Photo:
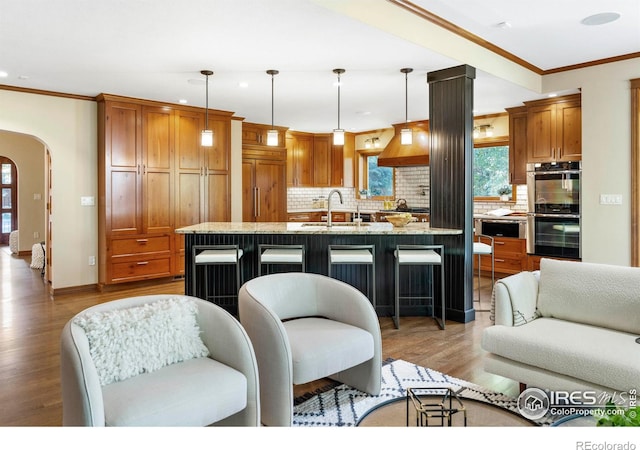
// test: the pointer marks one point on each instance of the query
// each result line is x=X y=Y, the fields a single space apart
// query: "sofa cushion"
x=129 y=341
x=343 y=346
x=596 y=294
x=597 y=355
x=209 y=391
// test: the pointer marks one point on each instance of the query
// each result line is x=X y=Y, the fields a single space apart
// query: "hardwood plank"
x=31 y=322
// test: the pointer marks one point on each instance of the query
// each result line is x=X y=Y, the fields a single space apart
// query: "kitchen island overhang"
x=316 y=237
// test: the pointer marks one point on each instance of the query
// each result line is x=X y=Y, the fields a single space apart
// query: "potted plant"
x=504 y=192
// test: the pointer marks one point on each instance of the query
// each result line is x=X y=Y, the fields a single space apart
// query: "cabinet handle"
x=258 y=200
x=144 y=169
x=138 y=169
x=142 y=241
x=498 y=243
x=499 y=260
x=142 y=263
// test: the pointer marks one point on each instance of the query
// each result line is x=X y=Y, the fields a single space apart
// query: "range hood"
x=417 y=154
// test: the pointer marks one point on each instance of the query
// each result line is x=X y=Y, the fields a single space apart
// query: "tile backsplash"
x=411 y=184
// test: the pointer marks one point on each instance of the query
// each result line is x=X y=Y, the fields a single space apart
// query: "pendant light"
x=338 y=133
x=406 y=134
x=206 y=137
x=272 y=134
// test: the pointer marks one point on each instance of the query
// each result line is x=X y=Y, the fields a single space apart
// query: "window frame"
x=362 y=175
x=497 y=141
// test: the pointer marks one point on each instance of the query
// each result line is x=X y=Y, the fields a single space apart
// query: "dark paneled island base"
x=316 y=239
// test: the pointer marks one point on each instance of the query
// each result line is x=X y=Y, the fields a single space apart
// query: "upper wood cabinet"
x=554 y=129
x=299 y=159
x=313 y=160
x=322 y=160
x=256 y=134
x=517 y=145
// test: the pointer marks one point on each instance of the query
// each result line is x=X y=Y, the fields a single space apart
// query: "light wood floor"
x=31 y=322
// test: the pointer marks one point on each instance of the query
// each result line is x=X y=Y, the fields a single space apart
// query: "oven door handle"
x=559 y=216
x=500 y=221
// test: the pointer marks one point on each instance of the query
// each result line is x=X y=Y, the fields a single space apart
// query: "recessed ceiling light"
x=183 y=101
x=600 y=18
x=3 y=74
x=243 y=84
x=553 y=94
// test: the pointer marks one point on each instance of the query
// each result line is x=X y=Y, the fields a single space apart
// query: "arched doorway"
x=9 y=204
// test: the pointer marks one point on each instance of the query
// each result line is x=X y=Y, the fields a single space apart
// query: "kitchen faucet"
x=333 y=191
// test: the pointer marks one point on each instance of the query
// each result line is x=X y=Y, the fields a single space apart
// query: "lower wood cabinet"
x=510 y=256
x=140 y=258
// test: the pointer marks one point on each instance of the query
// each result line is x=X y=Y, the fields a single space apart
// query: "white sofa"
x=570 y=326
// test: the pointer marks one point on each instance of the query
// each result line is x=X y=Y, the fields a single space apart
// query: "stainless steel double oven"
x=554 y=217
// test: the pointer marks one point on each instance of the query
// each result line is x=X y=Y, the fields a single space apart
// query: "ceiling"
x=155 y=49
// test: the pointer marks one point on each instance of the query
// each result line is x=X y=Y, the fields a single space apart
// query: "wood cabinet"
x=150 y=181
x=255 y=134
x=518 y=145
x=533 y=261
x=313 y=160
x=312 y=216
x=322 y=160
x=299 y=159
x=509 y=253
x=264 y=190
x=554 y=129
x=202 y=175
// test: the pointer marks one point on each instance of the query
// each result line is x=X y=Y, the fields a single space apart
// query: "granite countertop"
x=312 y=228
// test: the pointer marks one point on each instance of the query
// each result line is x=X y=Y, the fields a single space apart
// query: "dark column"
x=451 y=165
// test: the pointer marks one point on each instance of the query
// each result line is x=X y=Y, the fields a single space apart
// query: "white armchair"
x=220 y=389
x=305 y=327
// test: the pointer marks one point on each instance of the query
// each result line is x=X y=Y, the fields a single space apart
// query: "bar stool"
x=280 y=254
x=213 y=255
x=356 y=254
x=423 y=255
x=484 y=246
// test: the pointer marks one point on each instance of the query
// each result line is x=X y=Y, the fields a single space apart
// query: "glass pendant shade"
x=272 y=134
x=338 y=136
x=206 y=138
x=406 y=136
x=272 y=138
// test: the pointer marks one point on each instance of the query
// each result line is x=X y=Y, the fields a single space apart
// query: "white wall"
x=68 y=127
x=606 y=156
x=27 y=153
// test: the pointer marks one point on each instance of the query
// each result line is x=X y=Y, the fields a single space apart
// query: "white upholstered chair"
x=220 y=389
x=306 y=327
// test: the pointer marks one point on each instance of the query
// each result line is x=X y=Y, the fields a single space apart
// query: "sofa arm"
x=515 y=292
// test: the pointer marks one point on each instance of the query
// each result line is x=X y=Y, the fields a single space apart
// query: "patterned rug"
x=343 y=406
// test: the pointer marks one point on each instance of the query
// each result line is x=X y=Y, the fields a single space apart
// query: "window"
x=491 y=170
x=374 y=182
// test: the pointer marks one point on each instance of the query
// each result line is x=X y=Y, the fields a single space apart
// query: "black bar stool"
x=280 y=254
x=212 y=255
x=356 y=254
x=423 y=255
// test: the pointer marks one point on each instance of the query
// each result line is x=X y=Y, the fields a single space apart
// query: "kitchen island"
x=316 y=237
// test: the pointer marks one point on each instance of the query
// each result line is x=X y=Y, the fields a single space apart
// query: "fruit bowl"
x=399 y=220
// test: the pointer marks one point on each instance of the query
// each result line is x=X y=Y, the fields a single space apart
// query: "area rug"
x=343 y=406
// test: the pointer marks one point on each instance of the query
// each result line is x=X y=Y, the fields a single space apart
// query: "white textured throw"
x=127 y=342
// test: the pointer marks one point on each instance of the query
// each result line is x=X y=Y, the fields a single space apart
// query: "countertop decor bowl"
x=399 y=220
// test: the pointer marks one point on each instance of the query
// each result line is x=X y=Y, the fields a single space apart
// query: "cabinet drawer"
x=502 y=265
x=122 y=247
x=138 y=270
x=300 y=217
x=503 y=246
